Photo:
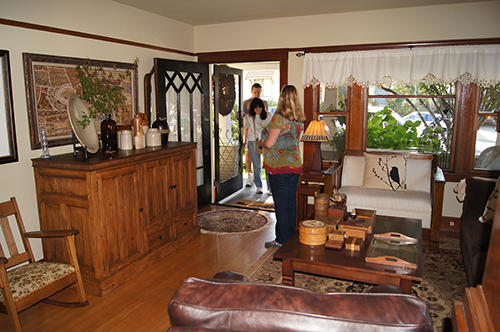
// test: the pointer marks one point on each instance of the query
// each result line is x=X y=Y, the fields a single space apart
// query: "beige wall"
x=97 y=17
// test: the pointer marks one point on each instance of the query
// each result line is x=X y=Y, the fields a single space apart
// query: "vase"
x=109 y=135
x=162 y=125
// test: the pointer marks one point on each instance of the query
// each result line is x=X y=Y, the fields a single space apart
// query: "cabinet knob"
x=173 y=187
x=185 y=224
x=161 y=237
x=141 y=209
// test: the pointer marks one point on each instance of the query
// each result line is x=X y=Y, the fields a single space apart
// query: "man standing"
x=256 y=91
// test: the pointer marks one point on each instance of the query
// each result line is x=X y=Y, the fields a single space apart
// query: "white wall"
x=92 y=16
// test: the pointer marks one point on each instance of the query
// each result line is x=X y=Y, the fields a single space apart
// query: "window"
x=487 y=144
x=447 y=101
x=412 y=117
x=333 y=103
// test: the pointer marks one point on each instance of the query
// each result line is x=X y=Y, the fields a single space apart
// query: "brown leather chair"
x=219 y=305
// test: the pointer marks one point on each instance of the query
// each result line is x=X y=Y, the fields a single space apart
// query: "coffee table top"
x=345 y=259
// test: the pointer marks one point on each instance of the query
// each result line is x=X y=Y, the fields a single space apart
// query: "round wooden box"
x=312 y=232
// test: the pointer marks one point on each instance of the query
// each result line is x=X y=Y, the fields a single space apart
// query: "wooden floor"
x=141 y=304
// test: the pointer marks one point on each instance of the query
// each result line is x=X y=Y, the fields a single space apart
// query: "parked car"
x=427 y=118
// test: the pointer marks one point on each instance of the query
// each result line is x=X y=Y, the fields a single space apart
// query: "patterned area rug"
x=232 y=222
x=443 y=273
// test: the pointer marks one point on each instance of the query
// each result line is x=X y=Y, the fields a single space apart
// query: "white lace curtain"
x=478 y=64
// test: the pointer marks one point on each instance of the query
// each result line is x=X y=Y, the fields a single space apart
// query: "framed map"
x=50 y=80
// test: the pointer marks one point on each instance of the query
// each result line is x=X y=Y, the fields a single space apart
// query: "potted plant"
x=103 y=93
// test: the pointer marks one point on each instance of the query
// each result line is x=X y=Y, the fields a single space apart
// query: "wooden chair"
x=26 y=284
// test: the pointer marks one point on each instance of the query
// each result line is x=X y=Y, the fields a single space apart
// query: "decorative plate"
x=88 y=137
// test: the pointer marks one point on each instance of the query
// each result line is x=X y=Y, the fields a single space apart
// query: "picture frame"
x=8 y=141
x=50 y=80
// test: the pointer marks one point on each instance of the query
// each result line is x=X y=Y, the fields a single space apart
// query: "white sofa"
x=423 y=198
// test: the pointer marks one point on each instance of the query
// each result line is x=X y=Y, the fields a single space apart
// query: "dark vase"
x=162 y=125
x=109 y=135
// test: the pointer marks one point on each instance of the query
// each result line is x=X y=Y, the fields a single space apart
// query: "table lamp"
x=317 y=132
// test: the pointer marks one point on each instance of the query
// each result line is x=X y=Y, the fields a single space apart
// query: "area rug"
x=232 y=222
x=443 y=275
x=268 y=206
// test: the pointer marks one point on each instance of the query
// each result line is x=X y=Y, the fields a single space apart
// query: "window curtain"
x=478 y=64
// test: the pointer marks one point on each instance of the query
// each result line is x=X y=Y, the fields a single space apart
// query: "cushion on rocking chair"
x=27 y=279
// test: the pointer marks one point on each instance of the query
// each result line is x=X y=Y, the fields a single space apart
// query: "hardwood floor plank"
x=141 y=304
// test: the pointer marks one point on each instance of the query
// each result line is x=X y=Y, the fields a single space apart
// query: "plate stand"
x=78 y=148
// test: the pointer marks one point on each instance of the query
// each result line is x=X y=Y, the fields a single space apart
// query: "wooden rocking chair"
x=26 y=284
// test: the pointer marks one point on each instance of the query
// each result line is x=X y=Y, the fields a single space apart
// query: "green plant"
x=103 y=91
x=384 y=132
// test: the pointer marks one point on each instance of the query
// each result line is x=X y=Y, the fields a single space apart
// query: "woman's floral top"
x=284 y=156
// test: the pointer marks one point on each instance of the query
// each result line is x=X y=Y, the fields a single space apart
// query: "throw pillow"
x=489 y=210
x=385 y=171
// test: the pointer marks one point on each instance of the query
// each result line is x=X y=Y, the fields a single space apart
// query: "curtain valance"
x=478 y=64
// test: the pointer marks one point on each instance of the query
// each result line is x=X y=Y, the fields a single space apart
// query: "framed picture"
x=50 y=80
x=8 y=142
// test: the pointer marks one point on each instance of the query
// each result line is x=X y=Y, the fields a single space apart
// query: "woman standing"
x=282 y=161
x=256 y=120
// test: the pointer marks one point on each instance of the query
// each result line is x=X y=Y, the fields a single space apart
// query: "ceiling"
x=203 y=12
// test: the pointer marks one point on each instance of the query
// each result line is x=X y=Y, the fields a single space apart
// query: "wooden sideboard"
x=132 y=209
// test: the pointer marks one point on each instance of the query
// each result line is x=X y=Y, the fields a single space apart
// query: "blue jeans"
x=257 y=166
x=284 y=187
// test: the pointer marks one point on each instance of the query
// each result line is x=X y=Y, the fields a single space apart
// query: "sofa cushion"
x=489 y=210
x=477 y=192
x=406 y=204
x=387 y=172
x=418 y=172
x=244 y=306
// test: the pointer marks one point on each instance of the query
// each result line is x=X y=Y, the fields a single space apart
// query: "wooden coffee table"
x=351 y=265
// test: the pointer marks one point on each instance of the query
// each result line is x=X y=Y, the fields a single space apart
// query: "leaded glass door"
x=183 y=98
x=228 y=134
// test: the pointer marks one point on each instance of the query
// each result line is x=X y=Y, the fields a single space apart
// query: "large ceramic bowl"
x=87 y=137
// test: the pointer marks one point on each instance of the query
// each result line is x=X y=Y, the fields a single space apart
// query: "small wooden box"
x=330 y=222
x=353 y=243
x=336 y=236
x=332 y=244
x=352 y=230
x=340 y=212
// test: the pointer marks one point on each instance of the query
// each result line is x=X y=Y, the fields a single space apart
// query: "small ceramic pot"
x=153 y=137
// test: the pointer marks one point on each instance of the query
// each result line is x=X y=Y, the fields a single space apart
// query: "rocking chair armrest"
x=54 y=233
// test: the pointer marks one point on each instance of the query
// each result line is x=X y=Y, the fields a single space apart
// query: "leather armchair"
x=228 y=305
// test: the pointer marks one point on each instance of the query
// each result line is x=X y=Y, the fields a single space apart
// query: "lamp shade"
x=317 y=131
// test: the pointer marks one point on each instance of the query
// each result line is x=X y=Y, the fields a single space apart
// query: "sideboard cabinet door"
x=120 y=202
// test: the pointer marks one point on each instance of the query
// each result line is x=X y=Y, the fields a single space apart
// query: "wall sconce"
x=317 y=132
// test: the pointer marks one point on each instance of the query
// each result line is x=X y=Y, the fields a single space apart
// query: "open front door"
x=228 y=134
x=183 y=97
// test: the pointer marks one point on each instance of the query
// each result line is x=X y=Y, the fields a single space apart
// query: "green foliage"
x=338 y=143
x=384 y=132
x=102 y=91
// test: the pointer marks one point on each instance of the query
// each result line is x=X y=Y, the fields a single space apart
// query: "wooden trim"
x=74 y=33
x=384 y=46
x=244 y=56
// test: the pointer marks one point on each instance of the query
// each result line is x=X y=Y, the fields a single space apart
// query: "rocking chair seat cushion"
x=27 y=279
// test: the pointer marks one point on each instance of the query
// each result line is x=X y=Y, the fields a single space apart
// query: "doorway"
x=267 y=74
